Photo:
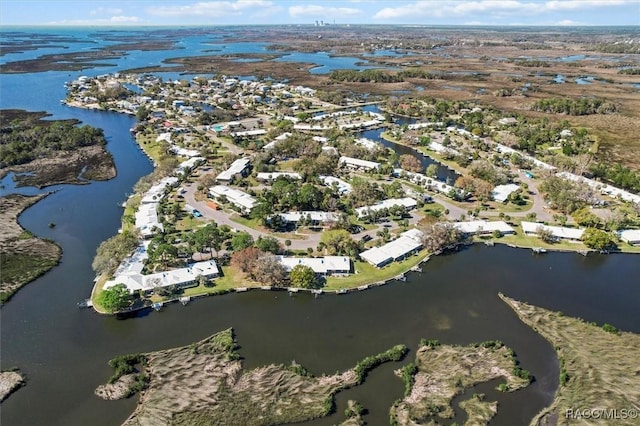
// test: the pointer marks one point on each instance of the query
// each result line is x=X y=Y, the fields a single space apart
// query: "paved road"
x=309 y=240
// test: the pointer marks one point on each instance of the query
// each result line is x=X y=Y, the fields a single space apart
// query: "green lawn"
x=369 y=274
x=149 y=145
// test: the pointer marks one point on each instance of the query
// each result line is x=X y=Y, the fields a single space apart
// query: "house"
x=560 y=232
x=135 y=281
x=358 y=164
x=315 y=217
x=342 y=186
x=243 y=201
x=238 y=167
x=327 y=265
x=501 y=192
x=409 y=243
x=270 y=176
x=483 y=227
x=407 y=202
x=630 y=236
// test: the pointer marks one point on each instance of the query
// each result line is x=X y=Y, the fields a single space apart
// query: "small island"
x=10 y=381
x=440 y=372
x=205 y=380
x=599 y=373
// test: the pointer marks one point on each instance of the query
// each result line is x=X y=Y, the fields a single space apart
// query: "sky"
x=264 y=12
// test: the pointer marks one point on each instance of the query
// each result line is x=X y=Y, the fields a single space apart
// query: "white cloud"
x=567 y=22
x=456 y=8
x=106 y=11
x=114 y=20
x=210 y=8
x=314 y=11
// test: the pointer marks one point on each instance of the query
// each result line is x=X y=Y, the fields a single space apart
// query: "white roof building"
x=604 y=188
x=367 y=143
x=240 y=199
x=407 y=202
x=156 y=192
x=416 y=126
x=531 y=228
x=147 y=220
x=484 y=227
x=255 y=132
x=357 y=163
x=237 y=167
x=135 y=281
x=321 y=265
x=269 y=176
x=343 y=187
x=501 y=192
x=409 y=242
x=630 y=236
x=315 y=216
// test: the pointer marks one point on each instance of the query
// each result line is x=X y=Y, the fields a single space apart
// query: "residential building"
x=407 y=244
x=560 y=232
x=358 y=164
x=483 y=227
x=243 y=201
x=238 y=167
x=407 y=202
x=327 y=265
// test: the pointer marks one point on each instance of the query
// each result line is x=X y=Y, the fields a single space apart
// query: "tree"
x=244 y=259
x=339 y=242
x=545 y=235
x=241 y=240
x=268 y=270
x=112 y=251
x=410 y=163
x=303 y=276
x=442 y=236
x=268 y=244
x=115 y=299
x=432 y=170
x=598 y=239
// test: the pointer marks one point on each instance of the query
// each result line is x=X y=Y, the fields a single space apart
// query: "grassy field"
x=444 y=371
x=204 y=383
x=369 y=274
x=599 y=369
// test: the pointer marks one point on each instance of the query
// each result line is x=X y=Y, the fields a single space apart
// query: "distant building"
x=409 y=243
x=328 y=265
x=270 y=176
x=407 y=202
x=483 y=227
x=238 y=167
x=560 y=232
x=342 y=186
x=501 y=192
x=315 y=217
x=358 y=164
x=241 y=200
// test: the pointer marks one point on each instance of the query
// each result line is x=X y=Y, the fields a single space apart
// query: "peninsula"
x=261 y=184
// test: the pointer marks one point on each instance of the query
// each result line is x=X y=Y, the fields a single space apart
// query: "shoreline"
x=10 y=245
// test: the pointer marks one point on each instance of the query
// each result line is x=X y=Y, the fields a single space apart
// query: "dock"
x=538 y=250
x=184 y=300
x=157 y=306
x=241 y=289
x=88 y=303
x=400 y=278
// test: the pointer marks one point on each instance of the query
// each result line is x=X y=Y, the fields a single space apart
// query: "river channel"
x=64 y=350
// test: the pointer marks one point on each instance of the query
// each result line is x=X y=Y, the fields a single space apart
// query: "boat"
x=184 y=300
x=538 y=250
x=157 y=306
x=88 y=303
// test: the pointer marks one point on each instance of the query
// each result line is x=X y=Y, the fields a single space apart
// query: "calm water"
x=64 y=350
